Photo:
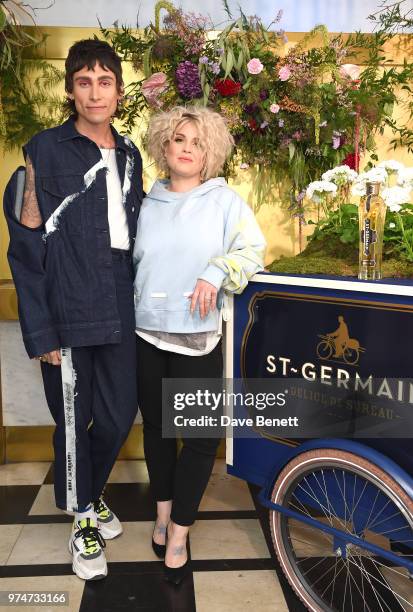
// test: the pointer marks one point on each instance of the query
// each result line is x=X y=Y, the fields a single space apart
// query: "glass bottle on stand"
x=372 y=214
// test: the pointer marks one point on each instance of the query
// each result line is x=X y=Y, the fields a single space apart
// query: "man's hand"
x=53 y=357
x=206 y=296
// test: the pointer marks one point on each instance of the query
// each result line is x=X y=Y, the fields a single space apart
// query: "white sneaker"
x=86 y=547
x=109 y=525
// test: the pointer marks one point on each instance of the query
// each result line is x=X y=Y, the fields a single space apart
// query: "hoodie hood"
x=161 y=193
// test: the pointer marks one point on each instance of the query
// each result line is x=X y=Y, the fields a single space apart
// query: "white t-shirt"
x=118 y=223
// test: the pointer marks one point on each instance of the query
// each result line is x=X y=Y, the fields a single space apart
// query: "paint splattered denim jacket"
x=63 y=269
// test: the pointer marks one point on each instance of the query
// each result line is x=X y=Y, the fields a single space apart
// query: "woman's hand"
x=53 y=358
x=206 y=296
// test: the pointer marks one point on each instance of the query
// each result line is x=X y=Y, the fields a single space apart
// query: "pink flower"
x=254 y=66
x=275 y=108
x=153 y=87
x=284 y=73
x=350 y=71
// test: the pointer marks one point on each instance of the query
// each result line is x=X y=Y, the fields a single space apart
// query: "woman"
x=196 y=238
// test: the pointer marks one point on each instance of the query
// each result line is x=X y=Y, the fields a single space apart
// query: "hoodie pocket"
x=158 y=300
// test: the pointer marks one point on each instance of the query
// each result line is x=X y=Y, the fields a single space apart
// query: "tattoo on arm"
x=30 y=215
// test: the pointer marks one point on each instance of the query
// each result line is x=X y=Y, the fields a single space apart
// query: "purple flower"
x=250 y=109
x=281 y=122
x=263 y=94
x=281 y=34
x=336 y=140
x=264 y=124
x=215 y=67
x=278 y=16
x=187 y=80
x=203 y=59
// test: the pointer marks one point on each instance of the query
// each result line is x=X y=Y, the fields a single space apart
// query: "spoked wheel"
x=324 y=349
x=353 y=495
x=350 y=355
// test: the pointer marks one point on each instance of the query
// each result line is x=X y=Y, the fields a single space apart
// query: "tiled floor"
x=232 y=560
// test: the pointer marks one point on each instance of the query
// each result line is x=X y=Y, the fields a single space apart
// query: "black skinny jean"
x=183 y=478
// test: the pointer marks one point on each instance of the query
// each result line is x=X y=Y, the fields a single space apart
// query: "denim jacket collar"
x=68 y=131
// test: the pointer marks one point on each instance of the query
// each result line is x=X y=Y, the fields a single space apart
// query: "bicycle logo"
x=338 y=345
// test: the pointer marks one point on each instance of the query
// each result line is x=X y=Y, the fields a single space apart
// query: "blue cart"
x=340 y=510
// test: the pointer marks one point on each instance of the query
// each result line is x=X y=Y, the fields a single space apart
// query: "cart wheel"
x=324 y=349
x=353 y=495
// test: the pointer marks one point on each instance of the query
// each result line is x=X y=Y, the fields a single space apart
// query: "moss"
x=337 y=259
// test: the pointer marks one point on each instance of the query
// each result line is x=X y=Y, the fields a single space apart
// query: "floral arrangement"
x=340 y=216
x=293 y=114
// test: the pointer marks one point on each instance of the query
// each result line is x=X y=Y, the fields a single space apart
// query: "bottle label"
x=368 y=237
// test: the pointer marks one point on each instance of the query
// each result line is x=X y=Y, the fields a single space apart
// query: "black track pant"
x=184 y=478
x=96 y=405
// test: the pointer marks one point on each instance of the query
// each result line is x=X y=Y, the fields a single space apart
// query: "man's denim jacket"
x=63 y=270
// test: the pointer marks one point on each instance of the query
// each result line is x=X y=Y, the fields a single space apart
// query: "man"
x=70 y=255
x=341 y=337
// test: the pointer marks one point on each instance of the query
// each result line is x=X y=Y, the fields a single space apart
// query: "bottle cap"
x=372 y=188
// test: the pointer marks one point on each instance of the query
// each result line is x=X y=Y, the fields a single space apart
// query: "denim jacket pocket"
x=59 y=187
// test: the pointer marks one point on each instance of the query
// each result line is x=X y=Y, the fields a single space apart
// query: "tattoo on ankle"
x=178 y=550
x=161 y=529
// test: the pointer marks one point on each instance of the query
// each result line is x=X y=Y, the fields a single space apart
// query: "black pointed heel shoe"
x=177 y=574
x=159 y=549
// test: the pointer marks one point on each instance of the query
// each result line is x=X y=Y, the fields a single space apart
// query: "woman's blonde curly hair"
x=214 y=136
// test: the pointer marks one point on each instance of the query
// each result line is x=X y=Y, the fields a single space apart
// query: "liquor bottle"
x=372 y=213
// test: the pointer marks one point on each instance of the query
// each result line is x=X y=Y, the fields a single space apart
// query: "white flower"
x=394 y=207
x=395 y=196
x=317 y=189
x=391 y=166
x=374 y=175
x=392 y=225
x=340 y=175
x=405 y=178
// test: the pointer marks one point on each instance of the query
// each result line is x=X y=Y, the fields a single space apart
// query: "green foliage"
x=339 y=225
x=398 y=233
x=26 y=85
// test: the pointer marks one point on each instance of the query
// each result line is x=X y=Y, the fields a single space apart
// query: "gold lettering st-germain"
x=372 y=213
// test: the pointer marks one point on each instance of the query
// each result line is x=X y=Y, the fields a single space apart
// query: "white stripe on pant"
x=69 y=383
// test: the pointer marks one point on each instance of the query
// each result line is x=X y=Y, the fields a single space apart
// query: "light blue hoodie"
x=208 y=232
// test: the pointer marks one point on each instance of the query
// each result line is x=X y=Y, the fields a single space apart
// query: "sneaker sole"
x=83 y=576
x=109 y=535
